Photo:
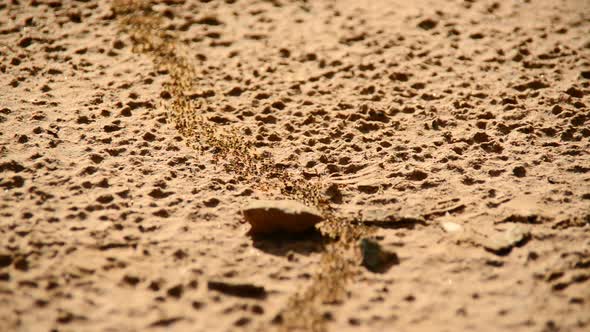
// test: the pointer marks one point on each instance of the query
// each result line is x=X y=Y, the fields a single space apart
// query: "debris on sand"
x=502 y=243
x=375 y=258
x=451 y=227
x=267 y=216
x=451 y=224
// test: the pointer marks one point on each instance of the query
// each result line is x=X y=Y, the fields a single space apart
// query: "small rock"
x=266 y=216
x=501 y=244
x=334 y=194
x=451 y=227
x=375 y=259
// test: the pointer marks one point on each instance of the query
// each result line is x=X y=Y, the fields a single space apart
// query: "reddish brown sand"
x=437 y=127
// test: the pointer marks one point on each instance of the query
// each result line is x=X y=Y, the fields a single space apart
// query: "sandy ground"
x=456 y=134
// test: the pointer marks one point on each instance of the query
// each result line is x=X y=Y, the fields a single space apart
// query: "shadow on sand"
x=280 y=244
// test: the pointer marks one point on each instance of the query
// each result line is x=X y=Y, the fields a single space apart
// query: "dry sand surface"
x=454 y=134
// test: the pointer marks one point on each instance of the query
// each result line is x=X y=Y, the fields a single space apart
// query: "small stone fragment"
x=501 y=244
x=451 y=227
x=266 y=216
x=334 y=194
x=375 y=259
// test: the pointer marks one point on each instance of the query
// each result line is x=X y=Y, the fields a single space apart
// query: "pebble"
x=375 y=258
x=451 y=227
x=502 y=243
x=272 y=216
